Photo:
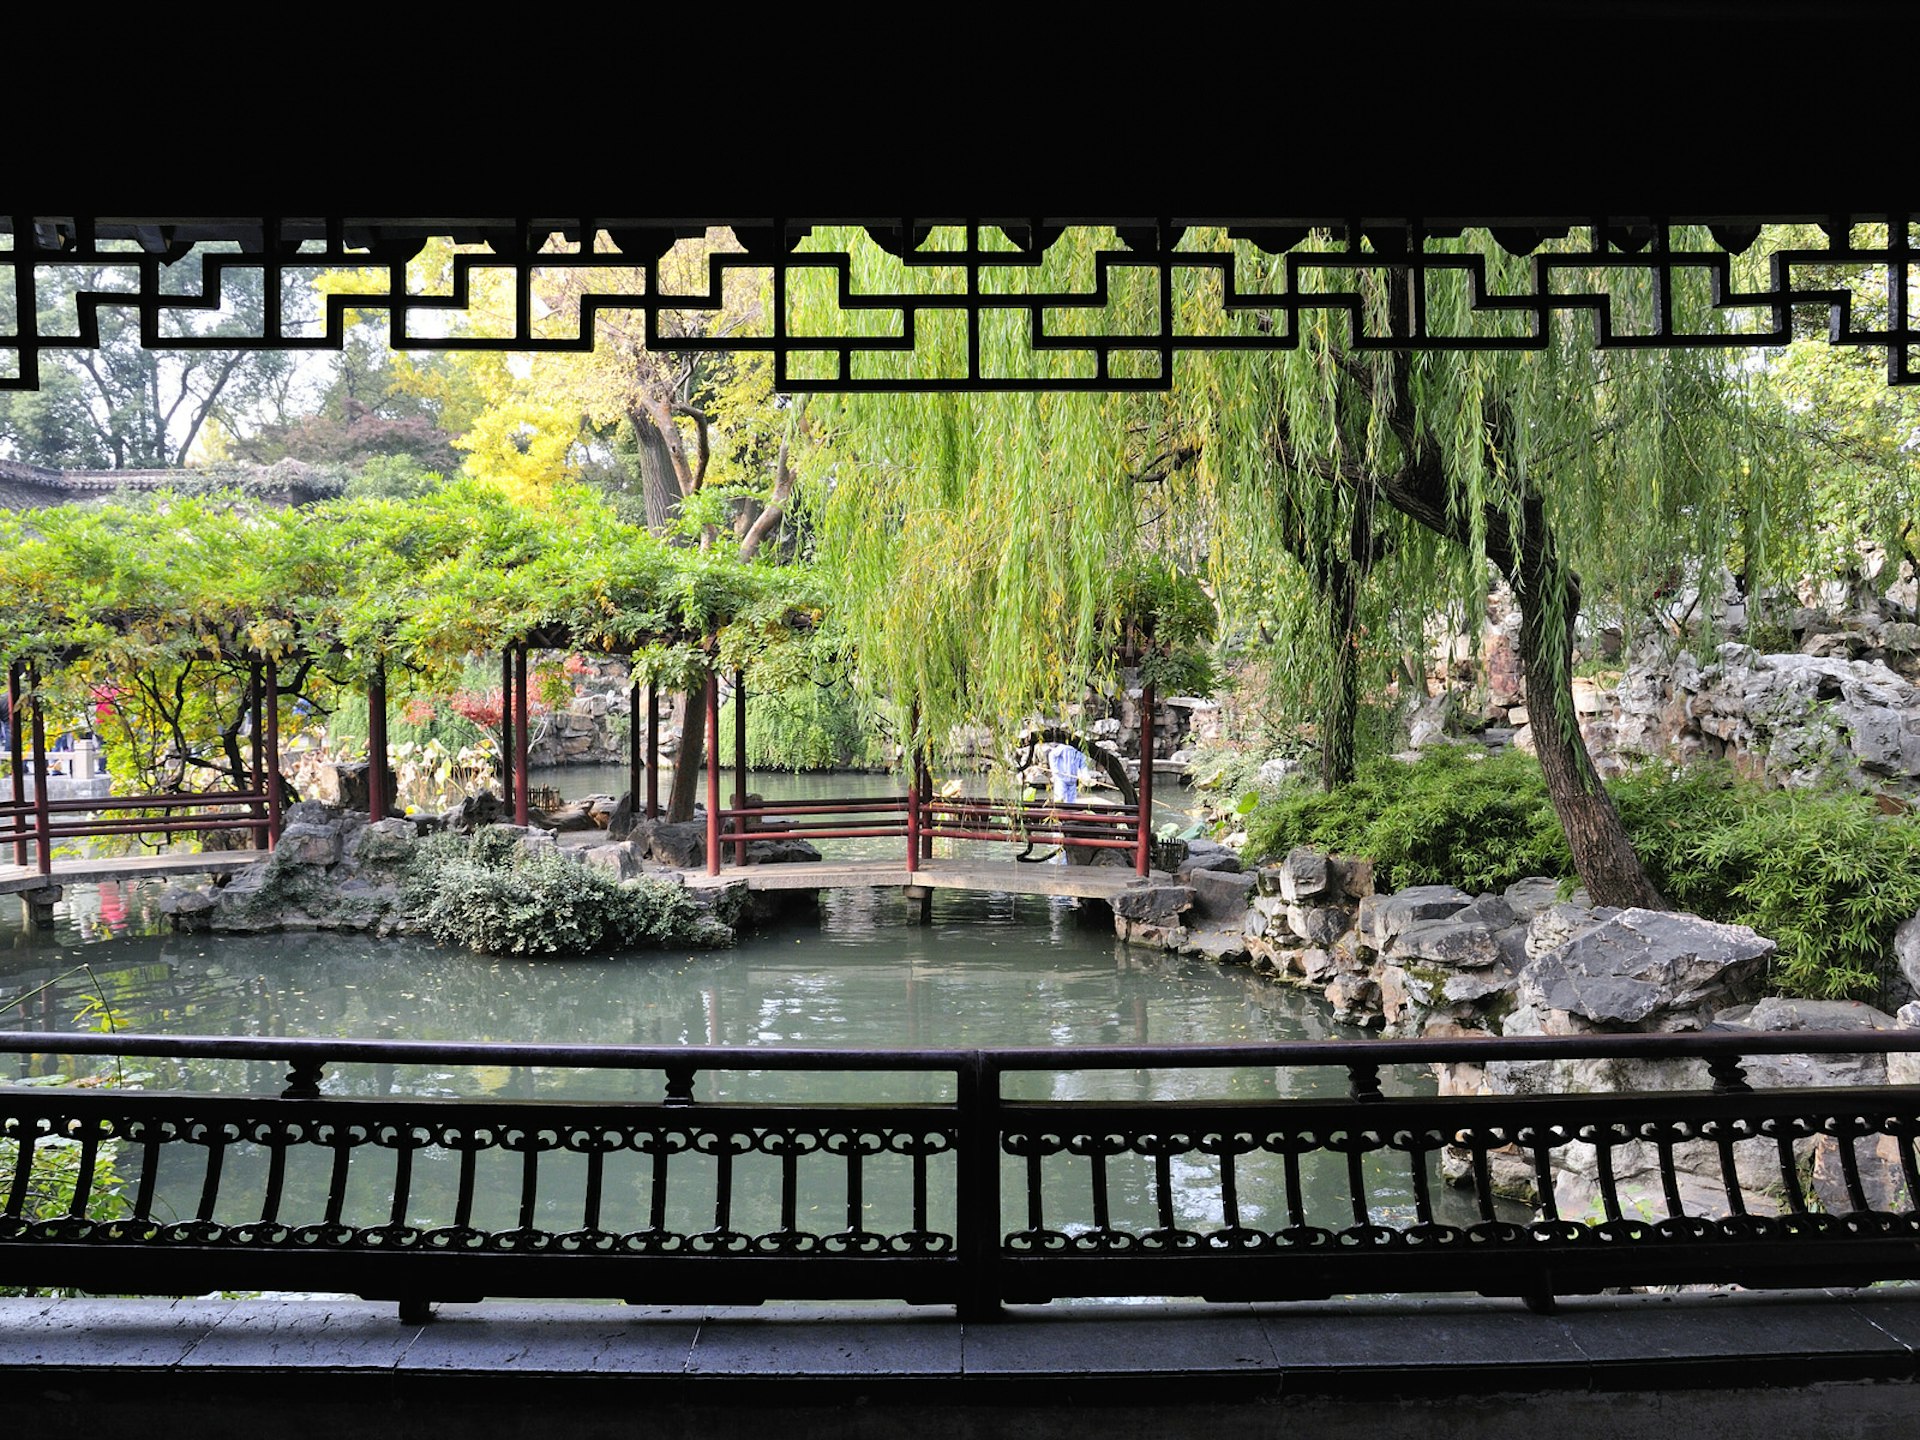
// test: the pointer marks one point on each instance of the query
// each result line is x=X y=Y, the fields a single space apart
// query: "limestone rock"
x=1905 y=982
x=1152 y=904
x=1220 y=896
x=470 y=814
x=1317 y=965
x=1446 y=942
x=1644 y=965
x=618 y=860
x=1205 y=855
x=1903 y=1067
x=1560 y=922
x=782 y=850
x=310 y=812
x=1303 y=875
x=308 y=844
x=1797 y=1072
x=1355 y=999
x=1384 y=916
x=1883 y=1185
x=680 y=843
x=1318 y=924
x=387 y=842
x=1216 y=943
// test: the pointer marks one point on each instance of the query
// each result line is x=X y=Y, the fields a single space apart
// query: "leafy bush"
x=489 y=894
x=1824 y=874
x=1456 y=816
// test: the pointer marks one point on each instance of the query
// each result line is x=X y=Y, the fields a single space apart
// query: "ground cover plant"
x=490 y=893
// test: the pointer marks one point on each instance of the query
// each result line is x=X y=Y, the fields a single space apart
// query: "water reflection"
x=989 y=970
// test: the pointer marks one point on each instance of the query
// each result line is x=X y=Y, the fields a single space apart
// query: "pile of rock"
x=1434 y=961
x=332 y=870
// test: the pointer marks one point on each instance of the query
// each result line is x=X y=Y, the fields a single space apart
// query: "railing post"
x=1143 y=844
x=42 y=815
x=740 y=762
x=913 y=789
x=713 y=772
x=377 y=743
x=977 y=1182
x=521 y=784
x=275 y=795
x=653 y=749
x=255 y=749
x=17 y=754
x=506 y=727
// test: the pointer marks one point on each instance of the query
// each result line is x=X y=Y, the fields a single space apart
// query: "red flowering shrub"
x=483 y=710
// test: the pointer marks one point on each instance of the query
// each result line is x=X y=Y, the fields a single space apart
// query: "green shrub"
x=490 y=895
x=1822 y=873
x=1456 y=816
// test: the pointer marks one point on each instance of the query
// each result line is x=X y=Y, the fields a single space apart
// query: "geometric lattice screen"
x=971 y=304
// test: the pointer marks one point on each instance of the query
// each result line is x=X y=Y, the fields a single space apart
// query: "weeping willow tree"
x=974 y=540
x=986 y=552
x=1564 y=469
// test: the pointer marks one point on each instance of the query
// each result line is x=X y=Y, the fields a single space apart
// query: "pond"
x=989 y=970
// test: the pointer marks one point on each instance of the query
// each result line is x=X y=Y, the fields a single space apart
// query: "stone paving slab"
x=1427 y=1347
x=309 y=1334
x=1330 y=1343
x=553 y=1339
x=1119 y=1340
x=123 y=1334
x=825 y=1342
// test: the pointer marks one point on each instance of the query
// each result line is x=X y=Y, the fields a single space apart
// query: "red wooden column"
x=42 y=815
x=653 y=749
x=16 y=746
x=913 y=789
x=1143 y=844
x=377 y=743
x=275 y=796
x=741 y=823
x=256 y=749
x=713 y=771
x=506 y=727
x=520 y=785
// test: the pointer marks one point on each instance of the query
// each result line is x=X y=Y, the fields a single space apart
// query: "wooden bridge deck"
x=1082 y=882
x=91 y=870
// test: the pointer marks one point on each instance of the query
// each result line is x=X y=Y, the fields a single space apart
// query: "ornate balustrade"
x=420 y=1172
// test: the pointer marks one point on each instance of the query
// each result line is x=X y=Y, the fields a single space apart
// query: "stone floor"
x=1839 y=1363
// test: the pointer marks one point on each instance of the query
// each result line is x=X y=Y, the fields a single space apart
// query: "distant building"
x=34 y=487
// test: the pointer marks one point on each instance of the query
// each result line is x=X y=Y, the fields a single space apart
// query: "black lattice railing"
x=967 y=304
x=979 y=1193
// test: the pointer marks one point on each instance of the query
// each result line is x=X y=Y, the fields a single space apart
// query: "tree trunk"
x=1525 y=553
x=659 y=486
x=1602 y=853
x=1345 y=578
x=686 y=762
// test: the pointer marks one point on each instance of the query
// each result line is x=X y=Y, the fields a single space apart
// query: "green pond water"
x=988 y=970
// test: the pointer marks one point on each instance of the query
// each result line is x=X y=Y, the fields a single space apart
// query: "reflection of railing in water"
x=1006 y=1198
